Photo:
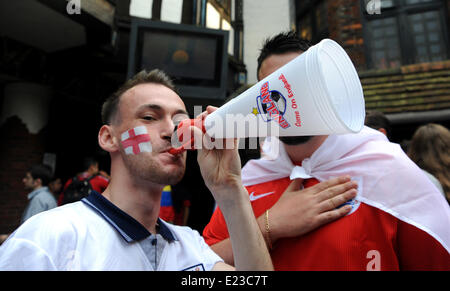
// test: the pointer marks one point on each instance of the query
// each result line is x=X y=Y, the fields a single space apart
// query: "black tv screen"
x=194 y=57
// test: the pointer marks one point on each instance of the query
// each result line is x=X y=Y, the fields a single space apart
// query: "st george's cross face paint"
x=136 y=140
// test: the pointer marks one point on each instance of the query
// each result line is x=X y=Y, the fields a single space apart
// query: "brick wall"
x=344 y=24
x=345 y=27
x=417 y=87
x=18 y=151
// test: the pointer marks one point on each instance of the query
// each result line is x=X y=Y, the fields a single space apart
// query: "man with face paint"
x=120 y=229
x=398 y=221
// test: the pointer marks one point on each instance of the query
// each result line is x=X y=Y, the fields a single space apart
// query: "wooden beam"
x=100 y=9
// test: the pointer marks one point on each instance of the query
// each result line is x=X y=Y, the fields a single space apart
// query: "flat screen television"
x=194 y=57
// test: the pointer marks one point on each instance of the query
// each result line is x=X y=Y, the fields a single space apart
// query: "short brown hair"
x=110 y=106
x=429 y=150
x=376 y=120
x=282 y=43
x=41 y=171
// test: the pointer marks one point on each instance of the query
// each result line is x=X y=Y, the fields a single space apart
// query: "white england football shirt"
x=94 y=234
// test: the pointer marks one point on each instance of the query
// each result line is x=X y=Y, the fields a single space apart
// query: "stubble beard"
x=146 y=169
x=295 y=140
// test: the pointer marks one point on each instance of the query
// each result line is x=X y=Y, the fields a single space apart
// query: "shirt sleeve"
x=45 y=242
x=211 y=258
x=18 y=254
x=216 y=230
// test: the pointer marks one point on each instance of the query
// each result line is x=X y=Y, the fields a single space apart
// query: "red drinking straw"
x=183 y=127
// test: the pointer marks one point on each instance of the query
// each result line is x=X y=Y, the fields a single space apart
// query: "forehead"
x=151 y=94
x=274 y=62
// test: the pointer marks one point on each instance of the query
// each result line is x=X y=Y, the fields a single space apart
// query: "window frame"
x=400 y=12
x=224 y=14
x=233 y=17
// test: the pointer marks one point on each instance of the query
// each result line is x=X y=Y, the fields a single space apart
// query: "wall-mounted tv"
x=196 y=58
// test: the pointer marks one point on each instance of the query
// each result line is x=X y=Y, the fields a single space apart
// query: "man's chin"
x=173 y=178
x=295 y=140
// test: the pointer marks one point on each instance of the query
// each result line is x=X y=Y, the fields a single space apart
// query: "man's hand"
x=299 y=211
x=221 y=170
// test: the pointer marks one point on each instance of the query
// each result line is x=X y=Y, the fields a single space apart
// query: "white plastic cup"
x=317 y=93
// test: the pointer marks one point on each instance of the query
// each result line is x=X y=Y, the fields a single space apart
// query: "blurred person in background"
x=181 y=203
x=429 y=149
x=97 y=179
x=377 y=120
x=40 y=198
x=166 y=211
x=55 y=186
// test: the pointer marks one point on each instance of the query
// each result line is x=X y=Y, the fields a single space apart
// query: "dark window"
x=312 y=19
x=384 y=50
x=305 y=27
x=401 y=32
x=428 y=36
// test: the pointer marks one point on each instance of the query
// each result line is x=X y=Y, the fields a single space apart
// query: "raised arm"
x=221 y=170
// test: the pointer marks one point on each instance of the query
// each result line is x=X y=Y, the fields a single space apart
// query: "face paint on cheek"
x=136 y=140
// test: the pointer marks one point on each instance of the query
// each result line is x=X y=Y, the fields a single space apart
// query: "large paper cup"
x=317 y=93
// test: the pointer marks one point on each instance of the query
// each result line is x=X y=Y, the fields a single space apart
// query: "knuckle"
x=329 y=216
x=347 y=196
x=331 y=193
x=343 y=198
x=331 y=204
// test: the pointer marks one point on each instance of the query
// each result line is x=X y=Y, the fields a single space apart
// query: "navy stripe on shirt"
x=129 y=228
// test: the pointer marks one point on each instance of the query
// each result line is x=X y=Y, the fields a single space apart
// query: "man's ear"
x=383 y=131
x=107 y=140
x=37 y=183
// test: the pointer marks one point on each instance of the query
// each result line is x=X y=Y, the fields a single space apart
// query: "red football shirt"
x=366 y=239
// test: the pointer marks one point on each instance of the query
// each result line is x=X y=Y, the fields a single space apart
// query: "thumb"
x=210 y=109
x=295 y=185
x=197 y=137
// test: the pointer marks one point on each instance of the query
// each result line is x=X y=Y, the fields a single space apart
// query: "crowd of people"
x=337 y=202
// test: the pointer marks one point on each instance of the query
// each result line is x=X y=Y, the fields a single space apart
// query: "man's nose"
x=168 y=129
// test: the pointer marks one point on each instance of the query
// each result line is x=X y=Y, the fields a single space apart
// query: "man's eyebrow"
x=150 y=106
x=181 y=111
x=159 y=108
